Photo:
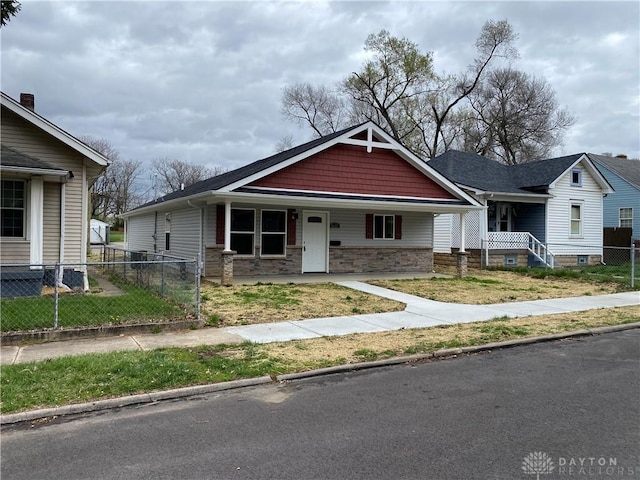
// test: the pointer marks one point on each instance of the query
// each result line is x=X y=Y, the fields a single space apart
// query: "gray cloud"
x=201 y=81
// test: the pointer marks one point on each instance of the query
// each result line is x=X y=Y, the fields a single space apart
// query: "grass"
x=116 y=236
x=137 y=304
x=97 y=376
x=502 y=286
x=613 y=274
x=266 y=302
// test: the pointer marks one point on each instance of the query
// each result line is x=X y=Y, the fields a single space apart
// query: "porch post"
x=36 y=222
x=227 y=253
x=463 y=240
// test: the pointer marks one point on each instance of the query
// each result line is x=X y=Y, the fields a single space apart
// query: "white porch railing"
x=520 y=241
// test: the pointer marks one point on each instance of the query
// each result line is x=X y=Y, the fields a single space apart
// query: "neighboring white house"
x=547 y=212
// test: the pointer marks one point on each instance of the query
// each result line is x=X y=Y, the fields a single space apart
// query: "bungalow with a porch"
x=354 y=201
x=543 y=213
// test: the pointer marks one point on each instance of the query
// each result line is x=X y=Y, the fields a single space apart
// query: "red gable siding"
x=350 y=169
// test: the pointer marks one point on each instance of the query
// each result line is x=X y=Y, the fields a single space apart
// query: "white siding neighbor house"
x=548 y=212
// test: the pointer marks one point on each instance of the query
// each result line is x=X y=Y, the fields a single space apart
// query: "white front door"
x=314 y=241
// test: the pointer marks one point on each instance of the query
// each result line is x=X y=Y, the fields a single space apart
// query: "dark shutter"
x=368 y=225
x=398 y=227
x=291 y=227
x=220 y=224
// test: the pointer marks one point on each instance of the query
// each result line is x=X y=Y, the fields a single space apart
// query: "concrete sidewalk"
x=419 y=313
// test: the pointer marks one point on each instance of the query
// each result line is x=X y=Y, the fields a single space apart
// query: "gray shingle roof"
x=479 y=172
x=10 y=157
x=625 y=168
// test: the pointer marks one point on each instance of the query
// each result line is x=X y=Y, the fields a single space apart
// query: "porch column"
x=463 y=240
x=36 y=223
x=227 y=226
x=227 y=253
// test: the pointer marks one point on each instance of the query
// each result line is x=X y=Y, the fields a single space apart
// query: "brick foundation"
x=341 y=260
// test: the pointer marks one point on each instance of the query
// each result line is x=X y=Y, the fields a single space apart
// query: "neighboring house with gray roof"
x=547 y=212
x=350 y=202
x=45 y=176
x=621 y=208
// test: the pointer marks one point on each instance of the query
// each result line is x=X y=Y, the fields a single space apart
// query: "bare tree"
x=315 y=106
x=285 y=143
x=495 y=41
x=390 y=83
x=174 y=174
x=517 y=118
x=114 y=191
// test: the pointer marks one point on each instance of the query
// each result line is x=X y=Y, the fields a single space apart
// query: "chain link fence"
x=616 y=263
x=122 y=287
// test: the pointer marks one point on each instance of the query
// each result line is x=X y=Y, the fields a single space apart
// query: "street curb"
x=153 y=397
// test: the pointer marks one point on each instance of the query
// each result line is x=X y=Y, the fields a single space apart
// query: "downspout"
x=155 y=232
x=63 y=215
x=84 y=227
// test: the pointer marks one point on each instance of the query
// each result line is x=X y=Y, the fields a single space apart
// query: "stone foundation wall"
x=289 y=265
x=380 y=260
x=572 y=260
x=341 y=260
x=450 y=260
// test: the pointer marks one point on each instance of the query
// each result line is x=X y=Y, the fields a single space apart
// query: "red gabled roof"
x=350 y=169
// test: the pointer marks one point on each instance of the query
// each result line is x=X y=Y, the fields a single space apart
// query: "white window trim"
x=393 y=234
x=284 y=234
x=579 y=182
x=576 y=203
x=630 y=217
x=253 y=232
x=25 y=208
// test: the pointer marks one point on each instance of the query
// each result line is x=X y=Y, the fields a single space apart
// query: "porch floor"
x=326 y=277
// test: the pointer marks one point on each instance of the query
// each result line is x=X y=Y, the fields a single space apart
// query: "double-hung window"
x=273 y=233
x=576 y=177
x=575 y=219
x=12 y=208
x=243 y=226
x=626 y=217
x=384 y=227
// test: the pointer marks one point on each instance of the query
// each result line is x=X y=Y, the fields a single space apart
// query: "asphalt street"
x=560 y=410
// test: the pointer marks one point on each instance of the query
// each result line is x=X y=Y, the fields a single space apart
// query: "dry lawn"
x=361 y=347
x=262 y=303
x=487 y=286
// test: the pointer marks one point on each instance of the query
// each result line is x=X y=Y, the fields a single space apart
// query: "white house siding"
x=140 y=230
x=185 y=232
x=417 y=228
x=30 y=140
x=442 y=225
x=558 y=220
x=51 y=218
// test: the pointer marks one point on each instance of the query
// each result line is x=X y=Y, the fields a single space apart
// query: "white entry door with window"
x=314 y=241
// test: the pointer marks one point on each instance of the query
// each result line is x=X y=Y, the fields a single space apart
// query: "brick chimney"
x=621 y=155
x=28 y=100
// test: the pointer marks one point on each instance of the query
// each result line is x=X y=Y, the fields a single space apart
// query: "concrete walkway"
x=419 y=313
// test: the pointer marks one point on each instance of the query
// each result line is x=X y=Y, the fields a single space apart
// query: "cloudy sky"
x=202 y=81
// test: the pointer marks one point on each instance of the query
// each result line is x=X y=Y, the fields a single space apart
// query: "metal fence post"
x=55 y=295
x=198 y=271
x=633 y=264
x=162 y=279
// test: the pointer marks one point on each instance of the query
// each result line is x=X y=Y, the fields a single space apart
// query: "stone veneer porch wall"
x=341 y=260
